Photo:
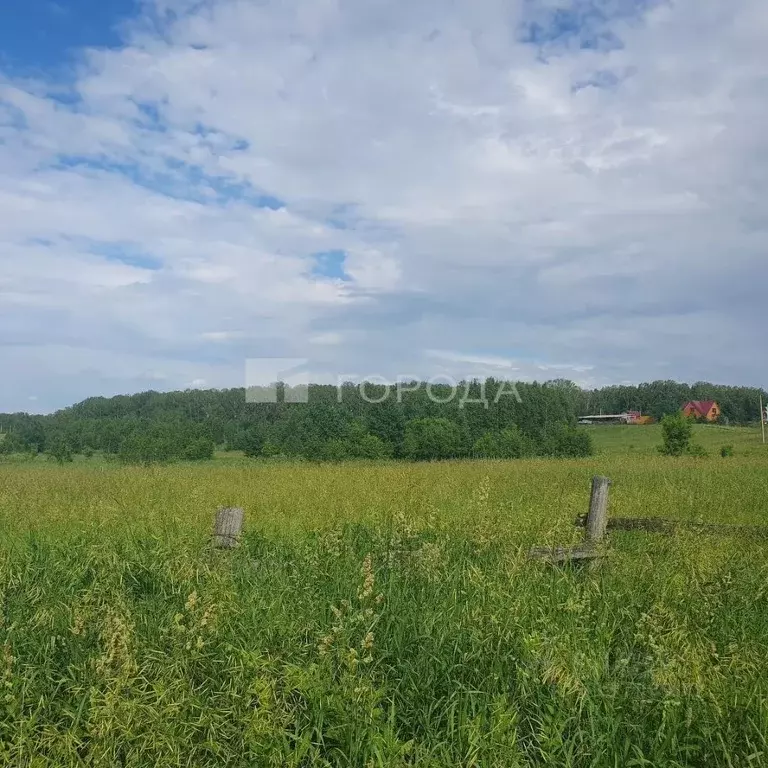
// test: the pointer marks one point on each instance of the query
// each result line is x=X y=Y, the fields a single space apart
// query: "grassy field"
x=384 y=615
x=632 y=440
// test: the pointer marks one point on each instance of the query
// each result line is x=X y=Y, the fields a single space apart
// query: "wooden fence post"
x=595 y=523
x=597 y=519
x=227 y=528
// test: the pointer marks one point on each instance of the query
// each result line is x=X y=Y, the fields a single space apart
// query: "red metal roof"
x=702 y=407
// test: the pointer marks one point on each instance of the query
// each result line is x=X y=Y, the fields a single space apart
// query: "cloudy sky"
x=521 y=188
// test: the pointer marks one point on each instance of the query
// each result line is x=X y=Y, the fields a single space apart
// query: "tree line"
x=488 y=419
x=421 y=422
x=740 y=405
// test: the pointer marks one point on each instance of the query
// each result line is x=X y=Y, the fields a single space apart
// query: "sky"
x=380 y=188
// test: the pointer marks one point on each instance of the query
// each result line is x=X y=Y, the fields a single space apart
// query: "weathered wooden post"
x=597 y=519
x=596 y=524
x=227 y=528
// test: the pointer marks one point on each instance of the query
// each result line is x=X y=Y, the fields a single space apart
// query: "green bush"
x=677 y=431
x=144 y=449
x=565 y=441
x=270 y=450
x=358 y=446
x=726 y=451
x=251 y=442
x=332 y=450
x=200 y=449
x=507 y=443
x=373 y=447
x=428 y=439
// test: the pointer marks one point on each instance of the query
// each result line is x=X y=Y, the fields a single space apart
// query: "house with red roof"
x=705 y=410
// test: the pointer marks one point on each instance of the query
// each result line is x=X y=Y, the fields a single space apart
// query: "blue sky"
x=558 y=188
x=46 y=35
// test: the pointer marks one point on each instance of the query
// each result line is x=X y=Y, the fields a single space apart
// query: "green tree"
x=384 y=420
x=6 y=444
x=31 y=431
x=59 y=449
x=251 y=442
x=677 y=431
x=427 y=439
x=574 y=394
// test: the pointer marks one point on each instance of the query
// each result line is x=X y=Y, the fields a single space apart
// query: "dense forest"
x=492 y=419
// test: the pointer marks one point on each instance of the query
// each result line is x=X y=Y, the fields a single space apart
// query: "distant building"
x=628 y=417
x=635 y=417
x=707 y=410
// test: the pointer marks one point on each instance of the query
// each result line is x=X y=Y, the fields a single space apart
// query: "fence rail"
x=669 y=527
x=596 y=523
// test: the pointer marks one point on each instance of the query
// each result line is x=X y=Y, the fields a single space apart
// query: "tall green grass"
x=380 y=615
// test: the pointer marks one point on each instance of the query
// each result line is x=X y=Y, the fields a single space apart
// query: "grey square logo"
x=276 y=379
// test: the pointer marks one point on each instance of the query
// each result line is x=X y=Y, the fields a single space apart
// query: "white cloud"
x=487 y=197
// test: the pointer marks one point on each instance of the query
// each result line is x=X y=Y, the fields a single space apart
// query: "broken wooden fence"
x=596 y=523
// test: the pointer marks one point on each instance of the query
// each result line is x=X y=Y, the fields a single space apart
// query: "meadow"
x=384 y=614
x=631 y=440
